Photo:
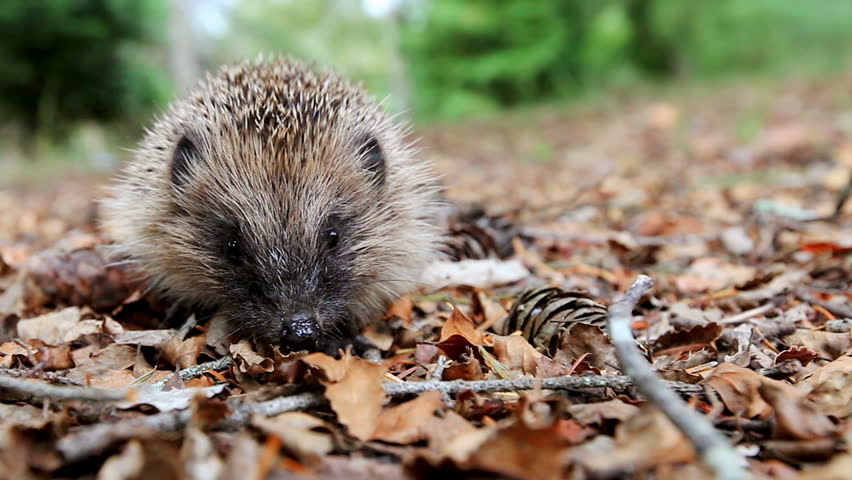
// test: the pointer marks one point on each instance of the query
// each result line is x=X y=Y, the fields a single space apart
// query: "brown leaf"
x=104 y=367
x=515 y=352
x=406 y=422
x=697 y=336
x=185 y=352
x=467 y=367
x=459 y=333
x=124 y=465
x=589 y=342
x=643 y=441
x=800 y=353
x=247 y=360
x=738 y=389
x=597 y=413
x=828 y=344
x=354 y=388
x=832 y=387
x=51 y=327
x=516 y=451
x=837 y=469
x=298 y=434
x=51 y=357
x=795 y=416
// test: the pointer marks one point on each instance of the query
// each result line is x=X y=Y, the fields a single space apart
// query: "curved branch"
x=713 y=447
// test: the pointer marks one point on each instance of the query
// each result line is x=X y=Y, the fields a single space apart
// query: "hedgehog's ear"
x=373 y=158
x=185 y=155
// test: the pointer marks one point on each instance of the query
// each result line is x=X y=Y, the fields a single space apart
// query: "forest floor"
x=727 y=198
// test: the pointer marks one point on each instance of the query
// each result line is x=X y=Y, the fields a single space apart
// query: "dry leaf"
x=407 y=422
x=297 y=431
x=828 y=344
x=354 y=389
x=515 y=352
x=248 y=361
x=51 y=327
x=126 y=465
x=458 y=334
x=795 y=416
x=597 y=413
x=832 y=387
x=738 y=389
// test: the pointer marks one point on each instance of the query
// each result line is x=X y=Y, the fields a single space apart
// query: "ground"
x=726 y=197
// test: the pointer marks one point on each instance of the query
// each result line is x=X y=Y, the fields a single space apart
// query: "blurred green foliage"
x=331 y=33
x=66 y=61
x=70 y=60
x=483 y=55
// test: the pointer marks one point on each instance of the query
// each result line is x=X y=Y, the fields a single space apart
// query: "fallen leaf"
x=166 y=401
x=515 y=352
x=515 y=450
x=249 y=361
x=198 y=456
x=354 y=389
x=795 y=416
x=406 y=422
x=458 y=334
x=298 y=434
x=832 y=387
x=738 y=389
x=828 y=344
x=645 y=440
x=125 y=465
x=596 y=413
x=797 y=352
x=94 y=368
x=50 y=327
x=589 y=342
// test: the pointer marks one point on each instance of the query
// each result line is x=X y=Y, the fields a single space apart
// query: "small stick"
x=839 y=310
x=713 y=447
x=743 y=316
x=44 y=390
x=92 y=440
x=189 y=373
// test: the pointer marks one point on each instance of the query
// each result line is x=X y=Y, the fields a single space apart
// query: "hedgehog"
x=281 y=196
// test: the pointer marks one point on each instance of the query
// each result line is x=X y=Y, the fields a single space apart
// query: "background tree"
x=70 y=60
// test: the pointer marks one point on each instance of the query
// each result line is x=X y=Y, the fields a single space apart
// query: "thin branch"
x=713 y=447
x=839 y=310
x=746 y=315
x=89 y=441
x=44 y=390
x=189 y=373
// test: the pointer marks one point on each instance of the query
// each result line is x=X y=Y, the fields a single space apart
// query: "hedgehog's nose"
x=301 y=332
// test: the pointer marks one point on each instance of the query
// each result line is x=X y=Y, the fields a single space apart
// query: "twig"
x=88 y=441
x=189 y=373
x=44 y=390
x=839 y=310
x=708 y=442
x=93 y=440
x=616 y=382
x=743 y=316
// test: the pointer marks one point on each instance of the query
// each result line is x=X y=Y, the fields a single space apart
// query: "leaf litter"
x=752 y=265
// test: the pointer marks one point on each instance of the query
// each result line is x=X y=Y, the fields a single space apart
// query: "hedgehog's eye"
x=232 y=249
x=332 y=238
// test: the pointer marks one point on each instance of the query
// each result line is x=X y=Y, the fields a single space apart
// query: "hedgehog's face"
x=281 y=238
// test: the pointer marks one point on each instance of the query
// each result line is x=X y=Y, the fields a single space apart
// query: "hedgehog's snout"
x=300 y=332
